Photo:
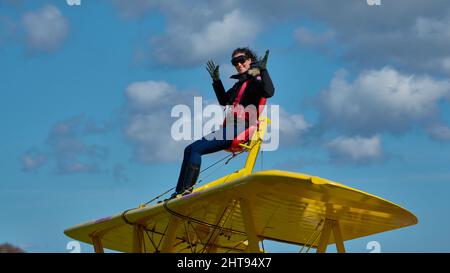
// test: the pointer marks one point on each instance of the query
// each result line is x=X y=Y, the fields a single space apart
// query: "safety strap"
x=237 y=100
x=241 y=91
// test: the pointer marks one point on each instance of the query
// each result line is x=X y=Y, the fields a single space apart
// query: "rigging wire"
x=188 y=218
x=171 y=189
x=230 y=157
x=313 y=236
x=221 y=227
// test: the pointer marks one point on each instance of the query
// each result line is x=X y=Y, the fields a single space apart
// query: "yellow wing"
x=221 y=217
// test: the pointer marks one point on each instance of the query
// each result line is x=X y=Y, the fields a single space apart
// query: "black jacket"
x=257 y=87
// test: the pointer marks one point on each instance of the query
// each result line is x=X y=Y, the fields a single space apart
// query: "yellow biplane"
x=233 y=214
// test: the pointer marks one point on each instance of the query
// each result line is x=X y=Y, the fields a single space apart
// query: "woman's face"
x=241 y=63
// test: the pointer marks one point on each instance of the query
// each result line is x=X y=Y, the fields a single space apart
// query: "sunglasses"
x=238 y=60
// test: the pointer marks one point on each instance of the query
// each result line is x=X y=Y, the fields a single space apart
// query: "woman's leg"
x=188 y=161
x=190 y=167
x=201 y=148
x=186 y=158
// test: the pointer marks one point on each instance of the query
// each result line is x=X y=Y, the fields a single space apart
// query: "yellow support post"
x=325 y=236
x=169 y=237
x=338 y=237
x=252 y=236
x=138 y=238
x=255 y=143
x=97 y=242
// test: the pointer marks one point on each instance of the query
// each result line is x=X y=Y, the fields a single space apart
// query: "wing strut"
x=329 y=226
x=252 y=237
x=97 y=242
x=138 y=239
x=169 y=238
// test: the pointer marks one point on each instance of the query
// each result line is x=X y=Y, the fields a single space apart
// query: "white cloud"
x=184 y=45
x=150 y=135
x=432 y=28
x=149 y=121
x=408 y=33
x=371 y=36
x=439 y=132
x=381 y=100
x=355 y=149
x=148 y=95
x=46 y=29
x=292 y=128
x=195 y=31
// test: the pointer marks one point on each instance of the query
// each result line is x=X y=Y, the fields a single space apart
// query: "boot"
x=173 y=196
x=180 y=184
x=192 y=173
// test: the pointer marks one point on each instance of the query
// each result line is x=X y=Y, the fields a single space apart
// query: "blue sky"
x=364 y=92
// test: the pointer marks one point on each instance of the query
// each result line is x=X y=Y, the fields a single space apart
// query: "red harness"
x=238 y=111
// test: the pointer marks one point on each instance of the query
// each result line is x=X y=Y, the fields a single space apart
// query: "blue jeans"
x=193 y=157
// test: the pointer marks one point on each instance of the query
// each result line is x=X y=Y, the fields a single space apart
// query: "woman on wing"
x=253 y=83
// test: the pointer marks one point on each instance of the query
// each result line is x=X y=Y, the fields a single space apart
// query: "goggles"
x=238 y=60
